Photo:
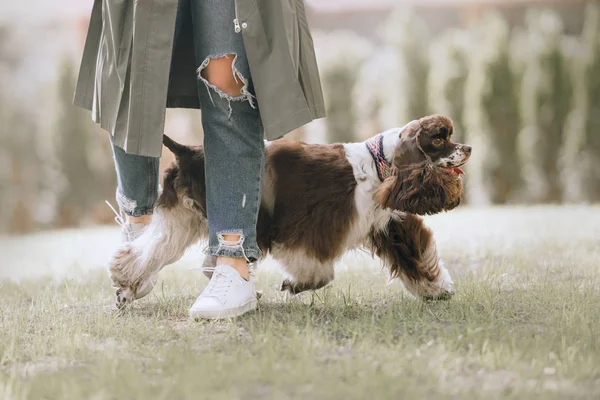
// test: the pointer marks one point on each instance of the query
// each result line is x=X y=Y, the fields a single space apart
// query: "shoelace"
x=120 y=220
x=219 y=285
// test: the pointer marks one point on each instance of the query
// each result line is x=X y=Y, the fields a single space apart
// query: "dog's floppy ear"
x=420 y=189
x=406 y=151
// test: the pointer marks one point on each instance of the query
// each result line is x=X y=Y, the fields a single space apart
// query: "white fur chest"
x=370 y=214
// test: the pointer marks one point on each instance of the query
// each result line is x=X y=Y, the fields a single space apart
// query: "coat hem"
x=80 y=100
x=183 y=102
x=281 y=128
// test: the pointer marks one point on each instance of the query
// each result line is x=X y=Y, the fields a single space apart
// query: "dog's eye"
x=437 y=142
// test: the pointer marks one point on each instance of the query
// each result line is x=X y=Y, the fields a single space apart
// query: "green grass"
x=525 y=323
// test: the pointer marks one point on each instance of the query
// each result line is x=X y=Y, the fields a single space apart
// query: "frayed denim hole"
x=126 y=204
x=245 y=93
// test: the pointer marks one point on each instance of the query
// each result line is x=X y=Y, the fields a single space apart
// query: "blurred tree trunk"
x=448 y=77
x=74 y=131
x=25 y=170
x=6 y=184
x=581 y=162
x=100 y=158
x=491 y=116
x=376 y=109
x=8 y=192
x=545 y=101
x=447 y=81
x=340 y=56
x=338 y=82
x=407 y=34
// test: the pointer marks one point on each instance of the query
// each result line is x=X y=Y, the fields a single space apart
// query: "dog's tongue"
x=456 y=171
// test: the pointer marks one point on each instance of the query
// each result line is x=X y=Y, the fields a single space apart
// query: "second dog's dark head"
x=427 y=163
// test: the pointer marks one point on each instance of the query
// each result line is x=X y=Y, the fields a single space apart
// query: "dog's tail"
x=177 y=149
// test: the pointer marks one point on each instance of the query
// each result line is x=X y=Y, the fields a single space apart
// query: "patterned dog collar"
x=383 y=166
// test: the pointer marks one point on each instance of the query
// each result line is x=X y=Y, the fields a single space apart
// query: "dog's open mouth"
x=455 y=171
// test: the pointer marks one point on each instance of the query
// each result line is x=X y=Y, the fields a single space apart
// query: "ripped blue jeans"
x=233 y=140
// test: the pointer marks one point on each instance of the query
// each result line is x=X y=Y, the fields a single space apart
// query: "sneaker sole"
x=225 y=313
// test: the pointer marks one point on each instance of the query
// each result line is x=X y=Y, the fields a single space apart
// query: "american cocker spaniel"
x=318 y=201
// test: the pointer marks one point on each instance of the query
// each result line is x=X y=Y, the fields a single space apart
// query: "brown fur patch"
x=264 y=230
x=184 y=178
x=401 y=247
x=314 y=202
x=314 y=195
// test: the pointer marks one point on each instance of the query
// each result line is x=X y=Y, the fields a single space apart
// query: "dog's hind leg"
x=306 y=273
x=293 y=287
x=163 y=242
x=408 y=248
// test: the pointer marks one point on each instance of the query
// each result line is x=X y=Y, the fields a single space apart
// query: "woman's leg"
x=137 y=193
x=137 y=190
x=233 y=142
x=137 y=176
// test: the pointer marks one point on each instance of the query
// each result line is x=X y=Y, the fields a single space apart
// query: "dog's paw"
x=445 y=284
x=124 y=296
x=438 y=289
x=286 y=286
x=445 y=295
x=291 y=287
x=298 y=287
x=441 y=288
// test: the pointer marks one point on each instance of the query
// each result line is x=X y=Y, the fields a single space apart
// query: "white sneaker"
x=227 y=295
x=130 y=232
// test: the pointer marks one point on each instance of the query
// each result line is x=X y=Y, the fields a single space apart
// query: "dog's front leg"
x=408 y=247
x=163 y=242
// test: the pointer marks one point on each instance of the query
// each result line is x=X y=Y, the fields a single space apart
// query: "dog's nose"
x=467 y=149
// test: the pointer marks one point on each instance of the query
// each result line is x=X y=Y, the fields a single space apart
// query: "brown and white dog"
x=318 y=201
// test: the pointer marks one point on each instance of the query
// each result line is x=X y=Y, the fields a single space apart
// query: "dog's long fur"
x=319 y=201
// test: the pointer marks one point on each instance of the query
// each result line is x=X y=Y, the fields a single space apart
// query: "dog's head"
x=428 y=174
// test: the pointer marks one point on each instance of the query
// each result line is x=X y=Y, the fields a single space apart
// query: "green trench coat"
x=127 y=78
